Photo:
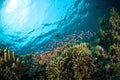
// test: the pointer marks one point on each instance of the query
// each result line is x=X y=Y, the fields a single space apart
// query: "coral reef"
x=116 y=71
x=33 y=70
x=110 y=40
x=98 y=60
x=73 y=63
x=42 y=59
x=115 y=22
x=10 y=66
x=110 y=35
x=109 y=32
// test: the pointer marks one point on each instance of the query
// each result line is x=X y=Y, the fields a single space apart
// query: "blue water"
x=40 y=25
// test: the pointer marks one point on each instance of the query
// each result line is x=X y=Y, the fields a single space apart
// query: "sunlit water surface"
x=40 y=25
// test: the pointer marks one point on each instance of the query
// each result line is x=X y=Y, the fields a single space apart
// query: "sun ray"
x=11 y=5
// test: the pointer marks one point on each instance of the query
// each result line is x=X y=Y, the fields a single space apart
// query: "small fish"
x=57 y=35
x=97 y=6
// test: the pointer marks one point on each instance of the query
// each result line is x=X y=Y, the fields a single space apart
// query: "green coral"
x=71 y=64
x=115 y=32
x=115 y=52
x=110 y=31
x=110 y=34
x=33 y=70
x=110 y=40
x=116 y=71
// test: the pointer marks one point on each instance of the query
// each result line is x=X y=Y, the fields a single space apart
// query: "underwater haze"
x=39 y=25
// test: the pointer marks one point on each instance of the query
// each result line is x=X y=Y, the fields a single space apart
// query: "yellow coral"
x=115 y=50
x=5 y=56
x=115 y=19
x=13 y=56
x=72 y=60
x=8 y=55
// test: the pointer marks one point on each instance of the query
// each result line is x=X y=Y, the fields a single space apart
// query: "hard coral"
x=115 y=52
x=110 y=39
x=72 y=63
x=33 y=70
x=115 y=47
x=109 y=32
x=10 y=66
x=115 y=19
x=116 y=72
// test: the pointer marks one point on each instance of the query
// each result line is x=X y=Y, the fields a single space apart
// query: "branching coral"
x=115 y=20
x=72 y=63
x=110 y=37
x=116 y=71
x=10 y=66
x=42 y=59
x=33 y=70
x=110 y=32
x=115 y=52
x=115 y=32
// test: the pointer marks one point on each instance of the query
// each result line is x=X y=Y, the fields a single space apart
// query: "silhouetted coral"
x=116 y=72
x=10 y=66
x=109 y=39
